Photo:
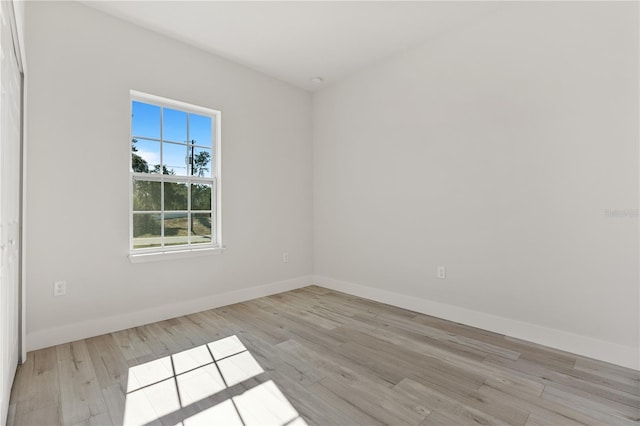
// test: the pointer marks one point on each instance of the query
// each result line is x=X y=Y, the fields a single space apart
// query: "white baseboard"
x=95 y=327
x=614 y=353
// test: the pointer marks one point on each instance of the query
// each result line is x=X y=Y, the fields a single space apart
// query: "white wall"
x=82 y=65
x=495 y=150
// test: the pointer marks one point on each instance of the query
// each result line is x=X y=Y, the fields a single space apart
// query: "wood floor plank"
x=321 y=307
x=324 y=366
x=496 y=339
x=416 y=336
x=102 y=419
x=543 y=408
x=43 y=416
x=469 y=363
x=611 y=371
x=80 y=395
x=449 y=409
x=536 y=419
x=131 y=344
x=611 y=379
x=335 y=358
x=494 y=407
x=378 y=402
x=291 y=305
x=437 y=418
x=604 y=410
x=316 y=407
x=561 y=376
x=411 y=360
x=36 y=386
x=109 y=365
x=437 y=334
x=352 y=414
x=115 y=397
x=162 y=339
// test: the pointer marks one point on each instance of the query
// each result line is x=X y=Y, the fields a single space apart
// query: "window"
x=175 y=176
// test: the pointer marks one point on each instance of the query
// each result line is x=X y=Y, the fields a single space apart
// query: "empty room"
x=319 y=213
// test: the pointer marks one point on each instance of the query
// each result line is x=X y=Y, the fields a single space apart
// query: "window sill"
x=175 y=254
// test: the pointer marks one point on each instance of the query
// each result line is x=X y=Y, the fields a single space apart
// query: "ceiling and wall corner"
x=298 y=40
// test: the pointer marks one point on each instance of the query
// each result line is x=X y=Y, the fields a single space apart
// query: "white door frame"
x=20 y=57
x=17 y=25
x=13 y=160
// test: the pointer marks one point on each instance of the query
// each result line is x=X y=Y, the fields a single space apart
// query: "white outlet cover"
x=59 y=288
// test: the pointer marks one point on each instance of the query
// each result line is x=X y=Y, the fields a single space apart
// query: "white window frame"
x=181 y=251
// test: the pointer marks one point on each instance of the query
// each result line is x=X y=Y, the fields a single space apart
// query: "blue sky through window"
x=174 y=125
x=146 y=123
x=145 y=120
x=200 y=129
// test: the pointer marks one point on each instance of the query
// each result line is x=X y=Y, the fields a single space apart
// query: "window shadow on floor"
x=217 y=383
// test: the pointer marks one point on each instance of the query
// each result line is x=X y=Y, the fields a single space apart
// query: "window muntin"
x=174 y=175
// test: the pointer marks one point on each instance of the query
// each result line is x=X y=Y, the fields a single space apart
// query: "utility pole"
x=193 y=141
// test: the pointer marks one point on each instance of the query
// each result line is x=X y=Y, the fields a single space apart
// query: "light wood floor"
x=336 y=359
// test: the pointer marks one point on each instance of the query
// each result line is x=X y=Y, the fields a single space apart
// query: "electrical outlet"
x=442 y=272
x=285 y=257
x=59 y=288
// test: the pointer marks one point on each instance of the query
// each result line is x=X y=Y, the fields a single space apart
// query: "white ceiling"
x=297 y=40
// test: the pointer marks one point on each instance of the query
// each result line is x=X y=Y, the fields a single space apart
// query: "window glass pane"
x=201 y=228
x=175 y=196
x=176 y=227
x=201 y=196
x=145 y=120
x=146 y=195
x=145 y=156
x=199 y=161
x=146 y=230
x=174 y=125
x=170 y=210
x=200 y=129
x=174 y=157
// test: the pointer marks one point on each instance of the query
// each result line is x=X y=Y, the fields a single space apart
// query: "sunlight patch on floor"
x=190 y=388
x=199 y=384
x=238 y=368
x=149 y=373
x=222 y=414
x=192 y=358
x=265 y=404
x=151 y=403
